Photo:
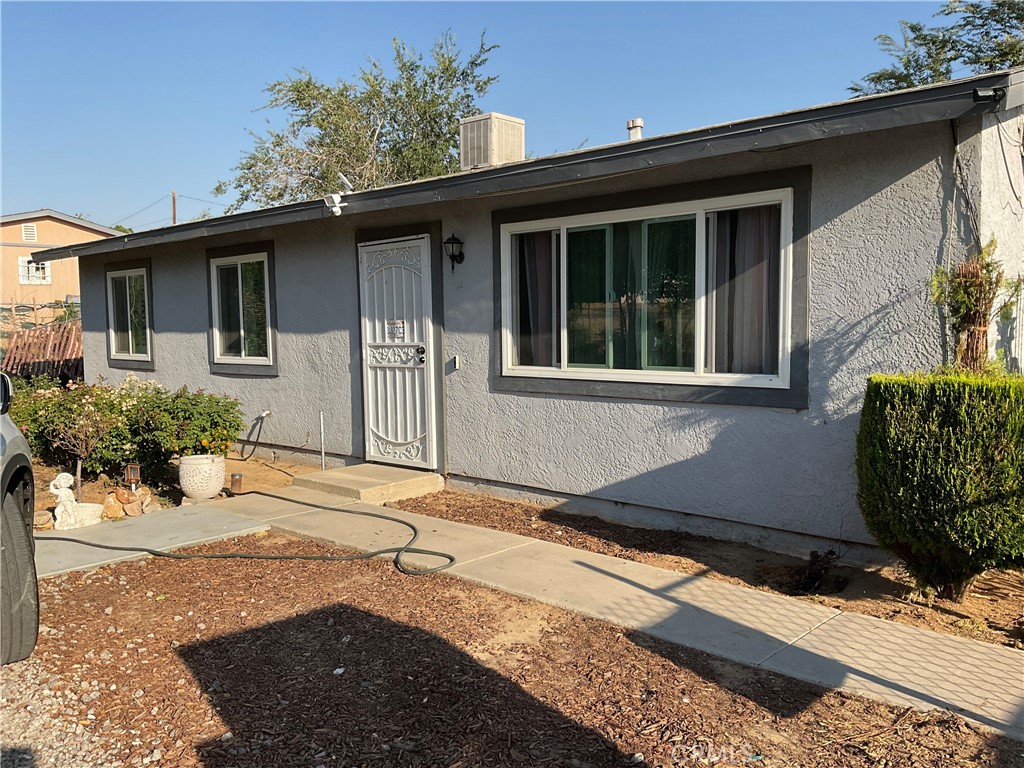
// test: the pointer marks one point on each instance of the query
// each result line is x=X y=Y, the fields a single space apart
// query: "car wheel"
x=19 y=596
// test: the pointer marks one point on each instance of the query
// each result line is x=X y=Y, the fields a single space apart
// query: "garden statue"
x=70 y=513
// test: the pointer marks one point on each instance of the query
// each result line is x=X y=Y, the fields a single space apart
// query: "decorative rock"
x=112 y=508
x=144 y=498
x=43 y=519
x=124 y=495
x=133 y=509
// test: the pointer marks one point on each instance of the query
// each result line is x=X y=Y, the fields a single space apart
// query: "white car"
x=19 y=596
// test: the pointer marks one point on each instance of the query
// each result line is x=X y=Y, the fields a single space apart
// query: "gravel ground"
x=226 y=664
x=39 y=728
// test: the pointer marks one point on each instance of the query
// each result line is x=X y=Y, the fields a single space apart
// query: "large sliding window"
x=128 y=326
x=695 y=292
x=241 y=312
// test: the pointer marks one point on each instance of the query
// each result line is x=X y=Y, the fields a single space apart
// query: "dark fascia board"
x=193 y=230
x=49 y=213
x=945 y=101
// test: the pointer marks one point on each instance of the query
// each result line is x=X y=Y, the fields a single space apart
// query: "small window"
x=689 y=293
x=33 y=272
x=29 y=234
x=128 y=315
x=241 y=313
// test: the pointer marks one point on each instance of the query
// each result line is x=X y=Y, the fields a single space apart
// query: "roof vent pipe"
x=635 y=128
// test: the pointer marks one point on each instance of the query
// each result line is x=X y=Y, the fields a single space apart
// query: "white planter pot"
x=201 y=477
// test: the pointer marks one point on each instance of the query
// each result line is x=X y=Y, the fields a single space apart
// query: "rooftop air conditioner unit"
x=491 y=139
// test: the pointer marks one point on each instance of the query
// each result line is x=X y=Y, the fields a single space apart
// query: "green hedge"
x=146 y=423
x=940 y=468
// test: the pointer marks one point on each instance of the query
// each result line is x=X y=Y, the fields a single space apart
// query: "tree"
x=375 y=130
x=989 y=36
x=985 y=36
x=923 y=57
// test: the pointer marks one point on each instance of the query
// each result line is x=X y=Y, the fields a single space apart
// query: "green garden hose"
x=407 y=548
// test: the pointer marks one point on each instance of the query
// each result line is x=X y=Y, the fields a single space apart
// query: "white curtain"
x=746 y=263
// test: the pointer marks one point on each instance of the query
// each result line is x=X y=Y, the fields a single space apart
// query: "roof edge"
x=941 y=101
x=43 y=213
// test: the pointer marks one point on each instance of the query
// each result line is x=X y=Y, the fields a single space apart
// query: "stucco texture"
x=883 y=213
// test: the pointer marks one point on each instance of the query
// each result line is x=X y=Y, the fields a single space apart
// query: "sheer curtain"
x=536 y=299
x=746 y=264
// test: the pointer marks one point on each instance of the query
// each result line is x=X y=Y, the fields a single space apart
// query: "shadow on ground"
x=17 y=757
x=857 y=659
x=341 y=686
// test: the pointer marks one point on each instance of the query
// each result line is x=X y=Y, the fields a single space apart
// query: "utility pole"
x=174 y=207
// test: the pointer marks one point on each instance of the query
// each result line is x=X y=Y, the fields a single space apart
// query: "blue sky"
x=106 y=107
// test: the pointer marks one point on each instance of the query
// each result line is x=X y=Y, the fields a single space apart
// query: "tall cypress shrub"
x=940 y=468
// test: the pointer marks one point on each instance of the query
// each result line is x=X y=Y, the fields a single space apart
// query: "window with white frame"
x=241 y=313
x=33 y=272
x=128 y=314
x=695 y=292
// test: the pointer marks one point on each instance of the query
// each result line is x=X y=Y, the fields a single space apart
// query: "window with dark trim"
x=128 y=315
x=697 y=292
x=242 y=312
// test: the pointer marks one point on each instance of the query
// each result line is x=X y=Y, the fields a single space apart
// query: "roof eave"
x=926 y=104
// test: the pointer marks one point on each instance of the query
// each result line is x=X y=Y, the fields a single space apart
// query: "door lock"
x=421 y=350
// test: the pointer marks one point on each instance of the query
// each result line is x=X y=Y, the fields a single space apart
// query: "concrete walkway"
x=879 y=659
x=165 y=529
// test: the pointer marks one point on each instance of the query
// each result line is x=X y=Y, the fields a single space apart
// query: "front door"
x=398 y=361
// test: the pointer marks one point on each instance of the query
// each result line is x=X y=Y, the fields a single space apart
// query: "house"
x=675 y=331
x=32 y=290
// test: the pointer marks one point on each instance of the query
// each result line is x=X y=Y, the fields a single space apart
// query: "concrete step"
x=373 y=483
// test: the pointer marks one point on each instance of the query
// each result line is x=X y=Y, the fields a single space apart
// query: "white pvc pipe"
x=323 y=455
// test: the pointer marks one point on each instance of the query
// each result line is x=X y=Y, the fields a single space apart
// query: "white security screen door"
x=398 y=380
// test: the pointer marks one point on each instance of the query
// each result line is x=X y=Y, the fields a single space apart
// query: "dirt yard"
x=994 y=612
x=251 y=663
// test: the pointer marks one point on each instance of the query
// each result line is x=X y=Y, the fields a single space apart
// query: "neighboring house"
x=676 y=330
x=28 y=284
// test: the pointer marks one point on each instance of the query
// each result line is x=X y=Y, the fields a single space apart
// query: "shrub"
x=940 y=468
x=27 y=398
x=140 y=422
x=200 y=422
x=972 y=294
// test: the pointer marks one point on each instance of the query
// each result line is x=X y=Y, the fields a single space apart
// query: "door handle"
x=423 y=358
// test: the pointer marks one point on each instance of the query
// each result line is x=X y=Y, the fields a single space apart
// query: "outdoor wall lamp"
x=982 y=95
x=453 y=250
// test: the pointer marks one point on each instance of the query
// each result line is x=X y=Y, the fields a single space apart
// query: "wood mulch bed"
x=250 y=663
x=993 y=612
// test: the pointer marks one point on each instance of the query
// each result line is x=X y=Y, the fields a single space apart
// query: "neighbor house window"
x=128 y=315
x=241 y=312
x=32 y=272
x=693 y=293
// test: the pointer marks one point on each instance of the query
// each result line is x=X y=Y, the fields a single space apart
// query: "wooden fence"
x=51 y=350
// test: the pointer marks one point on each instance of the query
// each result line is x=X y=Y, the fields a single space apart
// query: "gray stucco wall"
x=883 y=213
x=318 y=321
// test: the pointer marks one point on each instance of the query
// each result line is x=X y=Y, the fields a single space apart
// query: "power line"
x=143 y=210
x=198 y=199
x=158 y=221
